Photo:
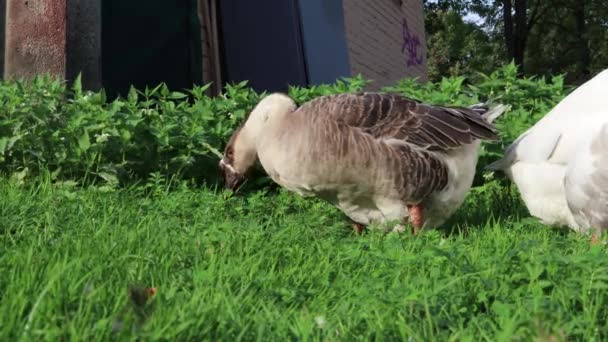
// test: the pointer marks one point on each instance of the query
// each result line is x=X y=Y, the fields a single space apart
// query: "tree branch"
x=535 y=15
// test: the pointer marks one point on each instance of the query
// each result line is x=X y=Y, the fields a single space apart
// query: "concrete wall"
x=386 y=39
x=322 y=24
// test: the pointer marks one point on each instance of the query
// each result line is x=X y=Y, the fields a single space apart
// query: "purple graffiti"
x=411 y=42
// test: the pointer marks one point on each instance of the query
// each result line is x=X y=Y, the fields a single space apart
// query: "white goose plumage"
x=560 y=165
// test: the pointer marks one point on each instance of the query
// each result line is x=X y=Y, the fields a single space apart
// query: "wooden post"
x=2 y=30
x=207 y=15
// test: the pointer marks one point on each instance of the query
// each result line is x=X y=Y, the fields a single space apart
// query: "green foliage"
x=456 y=47
x=560 y=37
x=279 y=267
x=559 y=44
x=269 y=265
x=79 y=135
x=346 y=85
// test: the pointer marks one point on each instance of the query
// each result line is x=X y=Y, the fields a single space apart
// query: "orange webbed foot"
x=416 y=217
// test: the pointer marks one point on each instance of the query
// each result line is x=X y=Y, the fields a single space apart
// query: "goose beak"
x=232 y=179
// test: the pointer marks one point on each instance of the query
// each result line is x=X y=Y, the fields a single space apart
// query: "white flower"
x=320 y=320
x=101 y=138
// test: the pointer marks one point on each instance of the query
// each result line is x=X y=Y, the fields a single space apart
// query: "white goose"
x=560 y=165
x=378 y=157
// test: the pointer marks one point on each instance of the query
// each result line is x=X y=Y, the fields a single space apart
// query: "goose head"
x=240 y=154
x=234 y=169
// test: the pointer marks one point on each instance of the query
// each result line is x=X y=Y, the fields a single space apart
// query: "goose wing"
x=397 y=119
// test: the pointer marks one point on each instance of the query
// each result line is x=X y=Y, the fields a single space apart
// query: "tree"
x=516 y=18
x=581 y=31
x=572 y=38
x=456 y=47
x=542 y=36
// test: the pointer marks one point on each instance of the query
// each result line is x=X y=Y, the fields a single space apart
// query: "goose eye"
x=229 y=153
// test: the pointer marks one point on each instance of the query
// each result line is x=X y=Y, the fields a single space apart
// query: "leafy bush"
x=80 y=135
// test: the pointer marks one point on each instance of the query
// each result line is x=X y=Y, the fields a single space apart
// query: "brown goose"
x=378 y=157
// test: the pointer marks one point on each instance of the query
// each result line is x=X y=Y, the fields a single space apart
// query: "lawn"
x=88 y=222
x=268 y=265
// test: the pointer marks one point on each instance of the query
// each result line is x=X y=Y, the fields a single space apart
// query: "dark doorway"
x=146 y=42
x=261 y=42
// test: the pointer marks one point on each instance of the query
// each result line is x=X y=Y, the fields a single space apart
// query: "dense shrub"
x=81 y=135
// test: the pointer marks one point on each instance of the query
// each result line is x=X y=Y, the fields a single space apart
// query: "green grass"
x=272 y=266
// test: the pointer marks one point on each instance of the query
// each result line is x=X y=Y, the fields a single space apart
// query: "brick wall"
x=386 y=39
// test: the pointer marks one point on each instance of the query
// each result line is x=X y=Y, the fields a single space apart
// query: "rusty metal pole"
x=35 y=41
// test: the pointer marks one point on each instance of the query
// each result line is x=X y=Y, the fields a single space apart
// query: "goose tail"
x=498 y=165
x=490 y=114
x=495 y=112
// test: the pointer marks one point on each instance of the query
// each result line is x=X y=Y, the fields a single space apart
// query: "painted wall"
x=146 y=42
x=382 y=39
x=386 y=39
x=324 y=39
x=261 y=43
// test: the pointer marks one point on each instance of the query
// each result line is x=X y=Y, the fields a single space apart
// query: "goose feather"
x=560 y=165
x=373 y=154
